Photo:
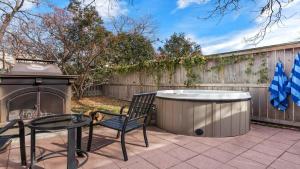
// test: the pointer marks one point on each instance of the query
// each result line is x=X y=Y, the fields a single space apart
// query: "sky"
x=215 y=35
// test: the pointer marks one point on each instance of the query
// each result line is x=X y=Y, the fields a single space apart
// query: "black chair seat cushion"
x=4 y=143
x=118 y=122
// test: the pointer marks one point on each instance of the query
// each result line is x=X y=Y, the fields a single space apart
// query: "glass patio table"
x=70 y=122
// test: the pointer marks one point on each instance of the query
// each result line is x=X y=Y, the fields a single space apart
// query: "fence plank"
x=231 y=77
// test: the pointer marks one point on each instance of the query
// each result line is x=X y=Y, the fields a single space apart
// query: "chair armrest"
x=122 y=109
x=93 y=114
x=8 y=126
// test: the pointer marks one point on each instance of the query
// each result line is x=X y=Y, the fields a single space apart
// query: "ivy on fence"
x=159 y=66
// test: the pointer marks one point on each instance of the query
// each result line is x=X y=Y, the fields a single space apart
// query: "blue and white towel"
x=278 y=88
x=294 y=83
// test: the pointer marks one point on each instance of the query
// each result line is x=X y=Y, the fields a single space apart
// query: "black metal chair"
x=136 y=117
x=5 y=139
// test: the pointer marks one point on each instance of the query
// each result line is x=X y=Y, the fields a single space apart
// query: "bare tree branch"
x=270 y=14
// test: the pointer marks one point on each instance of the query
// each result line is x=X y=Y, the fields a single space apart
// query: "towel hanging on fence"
x=278 y=88
x=294 y=82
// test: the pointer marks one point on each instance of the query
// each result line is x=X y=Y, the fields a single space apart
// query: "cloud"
x=276 y=35
x=110 y=8
x=185 y=3
x=287 y=31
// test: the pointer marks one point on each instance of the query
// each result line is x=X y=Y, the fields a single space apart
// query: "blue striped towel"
x=294 y=83
x=278 y=88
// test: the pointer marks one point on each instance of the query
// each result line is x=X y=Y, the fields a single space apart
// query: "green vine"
x=159 y=66
x=189 y=63
x=250 y=64
x=263 y=72
x=222 y=62
x=171 y=67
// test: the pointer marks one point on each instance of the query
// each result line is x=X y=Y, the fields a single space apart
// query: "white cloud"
x=110 y=8
x=278 y=34
x=288 y=31
x=185 y=3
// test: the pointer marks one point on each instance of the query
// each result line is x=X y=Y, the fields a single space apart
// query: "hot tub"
x=217 y=113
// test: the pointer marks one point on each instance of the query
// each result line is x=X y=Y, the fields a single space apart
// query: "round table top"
x=58 y=122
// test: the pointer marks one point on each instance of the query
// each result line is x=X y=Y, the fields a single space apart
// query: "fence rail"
x=243 y=75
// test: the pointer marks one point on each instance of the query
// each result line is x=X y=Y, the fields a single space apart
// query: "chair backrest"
x=141 y=105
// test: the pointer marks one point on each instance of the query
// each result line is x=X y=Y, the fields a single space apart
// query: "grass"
x=88 y=104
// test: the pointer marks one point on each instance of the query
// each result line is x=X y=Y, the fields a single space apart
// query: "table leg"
x=78 y=140
x=32 y=148
x=71 y=149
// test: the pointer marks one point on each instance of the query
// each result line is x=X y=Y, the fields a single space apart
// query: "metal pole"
x=32 y=148
x=71 y=164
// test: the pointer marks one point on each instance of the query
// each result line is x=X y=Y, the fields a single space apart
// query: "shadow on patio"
x=262 y=147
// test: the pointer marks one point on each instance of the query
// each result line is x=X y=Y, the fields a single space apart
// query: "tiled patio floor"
x=262 y=147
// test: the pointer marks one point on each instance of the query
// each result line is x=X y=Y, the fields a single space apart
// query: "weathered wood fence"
x=245 y=75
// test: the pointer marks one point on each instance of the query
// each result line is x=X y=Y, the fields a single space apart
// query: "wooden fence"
x=95 y=90
x=244 y=75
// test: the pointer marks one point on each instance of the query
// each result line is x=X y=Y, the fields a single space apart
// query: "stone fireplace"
x=34 y=88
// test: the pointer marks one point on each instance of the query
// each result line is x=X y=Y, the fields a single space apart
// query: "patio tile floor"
x=262 y=147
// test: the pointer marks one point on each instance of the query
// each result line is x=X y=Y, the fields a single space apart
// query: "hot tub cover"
x=204 y=95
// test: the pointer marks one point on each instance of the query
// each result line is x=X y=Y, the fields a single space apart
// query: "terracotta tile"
x=105 y=166
x=131 y=160
x=56 y=162
x=244 y=163
x=282 y=164
x=162 y=160
x=219 y=155
x=13 y=165
x=259 y=157
x=263 y=130
x=243 y=142
x=225 y=166
x=114 y=151
x=232 y=148
x=251 y=138
x=268 y=150
x=150 y=153
x=293 y=158
x=140 y=165
x=212 y=141
x=169 y=150
x=181 y=140
x=293 y=134
x=98 y=161
x=183 y=166
x=197 y=147
x=294 y=149
x=162 y=134
x=4 y=158
x=284 y=137
x=169 y=147
x=203 y=162
x=182 y=153
x=135 y=150
x=275 y=144
x=264 y=134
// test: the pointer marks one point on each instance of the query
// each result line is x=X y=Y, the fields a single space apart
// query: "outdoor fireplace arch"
x=38 y=85
x=35 y=98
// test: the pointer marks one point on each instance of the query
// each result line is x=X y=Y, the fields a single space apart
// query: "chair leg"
x=145 y=136
x=123 y=146
x=22 y=143
x=118 y=135
x=89 y=144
